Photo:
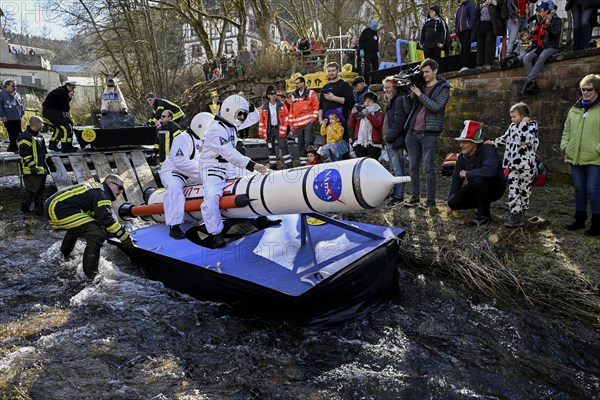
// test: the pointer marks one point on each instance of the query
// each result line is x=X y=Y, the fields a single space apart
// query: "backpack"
x=448 y=164
x=540 y=175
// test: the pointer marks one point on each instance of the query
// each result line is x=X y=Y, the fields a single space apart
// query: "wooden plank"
x=80 y=168
x=103 y=169
x=61 y=176
x=143 y=171
x=132 y=186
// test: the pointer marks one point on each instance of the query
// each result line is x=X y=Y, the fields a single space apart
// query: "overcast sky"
x=33 y=17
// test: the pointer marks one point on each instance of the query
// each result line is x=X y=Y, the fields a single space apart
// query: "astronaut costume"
x=181 y=167
x=218 y=156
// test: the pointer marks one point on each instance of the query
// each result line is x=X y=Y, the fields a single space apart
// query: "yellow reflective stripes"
x=71 y=222
x=23 y=141
x=77 y=190
x=178 y=115
x=105 y=202
x=123 y=236
x=114 y=228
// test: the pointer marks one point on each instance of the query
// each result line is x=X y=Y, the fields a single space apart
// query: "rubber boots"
x=67 y=245
x=91 y=259
x=579 y=223
x=595 y=228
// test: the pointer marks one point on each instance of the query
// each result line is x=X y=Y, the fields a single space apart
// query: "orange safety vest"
x=304 y=110
x=264 y=123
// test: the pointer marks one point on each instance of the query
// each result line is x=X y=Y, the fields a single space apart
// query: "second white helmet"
x=232 y=107
x=200 y=124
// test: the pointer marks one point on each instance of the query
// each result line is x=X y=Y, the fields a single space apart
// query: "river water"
x=126 y=337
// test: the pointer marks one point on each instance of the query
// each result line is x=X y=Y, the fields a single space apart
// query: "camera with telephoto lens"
x=406 y=79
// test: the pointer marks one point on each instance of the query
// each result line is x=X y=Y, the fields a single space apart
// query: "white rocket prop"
x=358 y=184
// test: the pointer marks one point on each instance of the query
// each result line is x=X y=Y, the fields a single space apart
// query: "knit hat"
x=336 y=111
x=371 y=96
x=357 y=80
x=281 y=93
x=71 y=82
x=436 y=9
x=471 y=132
x=374 y=25
x=214 y=93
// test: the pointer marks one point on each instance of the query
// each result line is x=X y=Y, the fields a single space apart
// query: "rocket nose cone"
x=372 y=181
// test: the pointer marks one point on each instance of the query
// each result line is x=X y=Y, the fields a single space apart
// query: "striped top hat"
x=471 y=132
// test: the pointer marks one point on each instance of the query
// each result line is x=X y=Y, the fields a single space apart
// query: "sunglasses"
x=585 y=89
x=272 y=93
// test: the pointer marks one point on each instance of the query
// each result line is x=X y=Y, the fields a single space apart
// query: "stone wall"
x=488 y=96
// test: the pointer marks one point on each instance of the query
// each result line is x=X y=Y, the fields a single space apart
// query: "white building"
x=194 y=51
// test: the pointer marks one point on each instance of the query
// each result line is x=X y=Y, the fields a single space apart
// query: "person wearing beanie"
x=478 y=178
x=435 y=35
x=368 y=49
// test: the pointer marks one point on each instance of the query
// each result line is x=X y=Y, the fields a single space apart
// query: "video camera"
x=409 y=77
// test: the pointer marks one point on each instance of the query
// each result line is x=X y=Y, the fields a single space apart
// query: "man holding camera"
x=425 y=106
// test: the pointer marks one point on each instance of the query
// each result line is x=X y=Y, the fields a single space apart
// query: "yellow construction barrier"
x=317 y=80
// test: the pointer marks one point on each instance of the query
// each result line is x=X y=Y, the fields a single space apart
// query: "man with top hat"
x=56 y=112
x=478 y=178
x=215 y=105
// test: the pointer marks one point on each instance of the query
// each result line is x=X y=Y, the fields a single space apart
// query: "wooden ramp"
x=131 y=166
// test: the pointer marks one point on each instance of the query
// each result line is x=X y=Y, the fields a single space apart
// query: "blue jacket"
x=465 y=16
x=11 y=107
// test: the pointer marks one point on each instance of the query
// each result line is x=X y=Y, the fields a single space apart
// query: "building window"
x=228 y=47
x=196 y=51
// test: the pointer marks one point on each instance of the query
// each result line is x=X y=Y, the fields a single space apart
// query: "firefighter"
x=304 y=111
x=85 y=211
x=35 y=164
x=55 y=110
x=159 y=105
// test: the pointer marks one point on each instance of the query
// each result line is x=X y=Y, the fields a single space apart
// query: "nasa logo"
x=328 y=186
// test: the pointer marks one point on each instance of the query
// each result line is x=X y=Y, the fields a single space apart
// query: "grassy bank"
x=541 y=264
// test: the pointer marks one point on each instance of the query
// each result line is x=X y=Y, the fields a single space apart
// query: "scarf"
x=539 y=32
x=365 y=129
x=589 y=104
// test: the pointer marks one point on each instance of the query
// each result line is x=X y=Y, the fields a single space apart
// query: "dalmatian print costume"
x=521 y=141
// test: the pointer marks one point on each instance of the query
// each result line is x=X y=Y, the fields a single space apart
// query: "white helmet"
x=200 y=123
x=232 y=107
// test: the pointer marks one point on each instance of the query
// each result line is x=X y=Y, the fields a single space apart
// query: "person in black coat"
x=395 y=135
x=368 y=48
x=55 y=109
x=478 y=178
x=435 y=35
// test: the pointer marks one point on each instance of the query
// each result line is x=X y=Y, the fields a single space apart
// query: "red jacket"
x=376 y=120
x=304 y=109
x=264 y=123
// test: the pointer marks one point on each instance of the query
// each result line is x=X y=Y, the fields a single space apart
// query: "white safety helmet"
x=200 y=123
x=232 y=107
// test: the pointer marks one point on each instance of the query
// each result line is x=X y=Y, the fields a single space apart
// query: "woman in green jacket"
x=581 y=145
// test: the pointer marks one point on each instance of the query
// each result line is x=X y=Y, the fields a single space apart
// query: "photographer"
x=425 y=106
x=366 y=120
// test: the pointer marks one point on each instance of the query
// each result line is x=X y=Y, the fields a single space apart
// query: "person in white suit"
x=218 y=152
x=181 y=168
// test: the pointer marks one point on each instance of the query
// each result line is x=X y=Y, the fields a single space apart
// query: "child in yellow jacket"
x=333 y=129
